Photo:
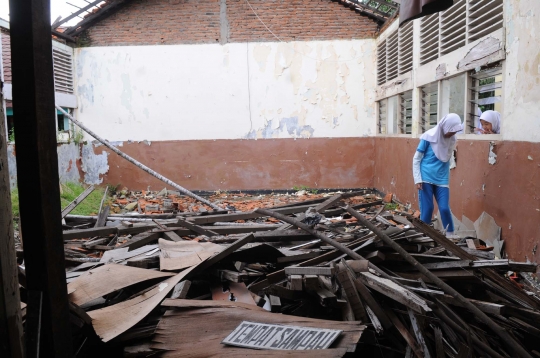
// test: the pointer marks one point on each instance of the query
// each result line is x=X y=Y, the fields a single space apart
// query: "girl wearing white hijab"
x=490 y=123
x=431 y=169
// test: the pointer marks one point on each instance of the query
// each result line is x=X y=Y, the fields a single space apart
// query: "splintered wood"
x=178 y=279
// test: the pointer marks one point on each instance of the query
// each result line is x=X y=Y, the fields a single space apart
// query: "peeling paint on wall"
x=290 y=125
x=202 y=91
x=478 y=54
x=93 y=165
x=67 y=159
x=492 y=157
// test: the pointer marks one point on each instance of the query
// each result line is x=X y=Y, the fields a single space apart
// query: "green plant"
x=88 y=206
x=68 y=193
x=306 y=188
x=11 y=136
x=391 y=206
x=15 y=202
x=78 y=135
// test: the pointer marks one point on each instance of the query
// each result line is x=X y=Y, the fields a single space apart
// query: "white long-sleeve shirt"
x=417 y=174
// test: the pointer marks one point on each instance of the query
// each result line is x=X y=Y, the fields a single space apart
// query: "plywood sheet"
x=113 y=320
x=182 y=254
x=105 y=279
x=198 y=331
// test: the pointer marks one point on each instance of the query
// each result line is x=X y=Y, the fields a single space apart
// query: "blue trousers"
x=442 y=195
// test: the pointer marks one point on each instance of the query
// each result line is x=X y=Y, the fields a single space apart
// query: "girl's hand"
x=419 y=186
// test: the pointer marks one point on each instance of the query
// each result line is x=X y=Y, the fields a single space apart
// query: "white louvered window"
x=405 y=52
x=381 y=63
x=485 y=16
x=392 y=56
x=405 y=115
x=453 y=27
x=382 y=120
x=429 y=106
x=395 y=54
x=63 y=71
x=429 y=38
x=486 y=93
x=463 y=23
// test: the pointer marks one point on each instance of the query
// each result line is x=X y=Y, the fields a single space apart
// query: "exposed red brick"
x=6 y=55
x=154 y=22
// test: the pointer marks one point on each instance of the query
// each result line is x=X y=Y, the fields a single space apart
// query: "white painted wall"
x=256 y=90
x=521 y=92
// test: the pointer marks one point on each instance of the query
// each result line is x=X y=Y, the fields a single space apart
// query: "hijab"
x=494 y=118
x=443 y=147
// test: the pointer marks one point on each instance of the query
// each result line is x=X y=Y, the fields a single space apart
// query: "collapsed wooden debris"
x=177 y=283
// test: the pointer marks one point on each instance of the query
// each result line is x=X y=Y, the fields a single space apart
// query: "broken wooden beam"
x=324 y=271
x=503 y=334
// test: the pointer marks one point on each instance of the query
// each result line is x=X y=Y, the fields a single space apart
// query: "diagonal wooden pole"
x=508 y=340
x=139 y=164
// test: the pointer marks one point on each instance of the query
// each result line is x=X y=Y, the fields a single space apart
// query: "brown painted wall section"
x=247 y=164
x=509 y=190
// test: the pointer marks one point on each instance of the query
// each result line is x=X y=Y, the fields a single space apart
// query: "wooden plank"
x=280 y=274
x=352 y=296
x=77 y=201
x=84 y=233
x=487 y=307
x=326 y=297
x=172 y=236
x=295 y=258
x=140 y=240
x=37 y=173
x=439 y=346
x=324 y=271
x=196 y=228
x=221 y=255
x=417 y=329
x=295 y=282
x=275 y=303
x=103 y=211
x=328 y=203
x=395 y=292
x=311 y=282
x=181 y=289
x=282 y=235
x=406 y=334
x=248 y=215
x=145 y=262
x=282 y=292
x=11 y=330
x=375 y=256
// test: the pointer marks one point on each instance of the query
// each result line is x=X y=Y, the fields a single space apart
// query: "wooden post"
x=11 y=343
x=37 y=172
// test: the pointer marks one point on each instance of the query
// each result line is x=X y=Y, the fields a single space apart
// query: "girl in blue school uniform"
x=431 y=170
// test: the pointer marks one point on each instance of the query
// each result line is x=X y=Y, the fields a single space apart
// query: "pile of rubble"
x=346 y=273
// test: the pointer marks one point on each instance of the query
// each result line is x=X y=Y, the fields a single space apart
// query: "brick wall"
x=6 y=55
x=300 y=20
x=154 y=22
